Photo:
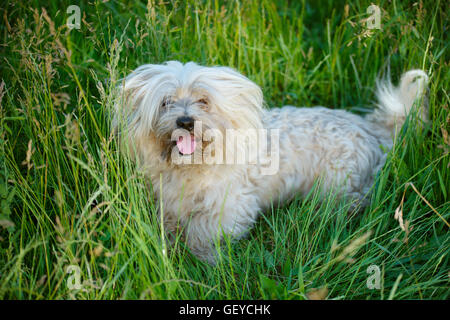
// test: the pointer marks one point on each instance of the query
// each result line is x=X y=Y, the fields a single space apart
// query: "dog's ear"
x=242 y=99
x=128 y=100
x=140 y=96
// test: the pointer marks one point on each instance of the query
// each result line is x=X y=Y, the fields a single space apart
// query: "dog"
x=204 y=196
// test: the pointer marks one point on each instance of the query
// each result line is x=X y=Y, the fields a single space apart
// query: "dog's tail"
x=395 y=103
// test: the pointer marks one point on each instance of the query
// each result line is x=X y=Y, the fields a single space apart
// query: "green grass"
x=58 y=156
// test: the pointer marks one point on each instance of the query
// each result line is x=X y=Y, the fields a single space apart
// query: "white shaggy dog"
x=206 y=196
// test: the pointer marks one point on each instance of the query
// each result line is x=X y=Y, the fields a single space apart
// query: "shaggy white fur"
x=208 y=198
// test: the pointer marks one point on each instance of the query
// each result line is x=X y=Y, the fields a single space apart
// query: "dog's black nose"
x=185 y=122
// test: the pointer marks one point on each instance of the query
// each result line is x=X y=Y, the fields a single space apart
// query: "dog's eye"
x=166 y=102
x=204 y=103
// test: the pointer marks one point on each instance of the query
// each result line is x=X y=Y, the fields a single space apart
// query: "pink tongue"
x=186 y=144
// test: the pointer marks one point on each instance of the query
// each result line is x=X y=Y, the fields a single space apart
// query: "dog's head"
x=181 y=106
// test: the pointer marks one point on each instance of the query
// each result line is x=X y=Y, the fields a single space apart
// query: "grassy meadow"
x=77 y=221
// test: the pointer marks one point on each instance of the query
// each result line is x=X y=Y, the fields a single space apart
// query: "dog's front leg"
x=204 y=232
